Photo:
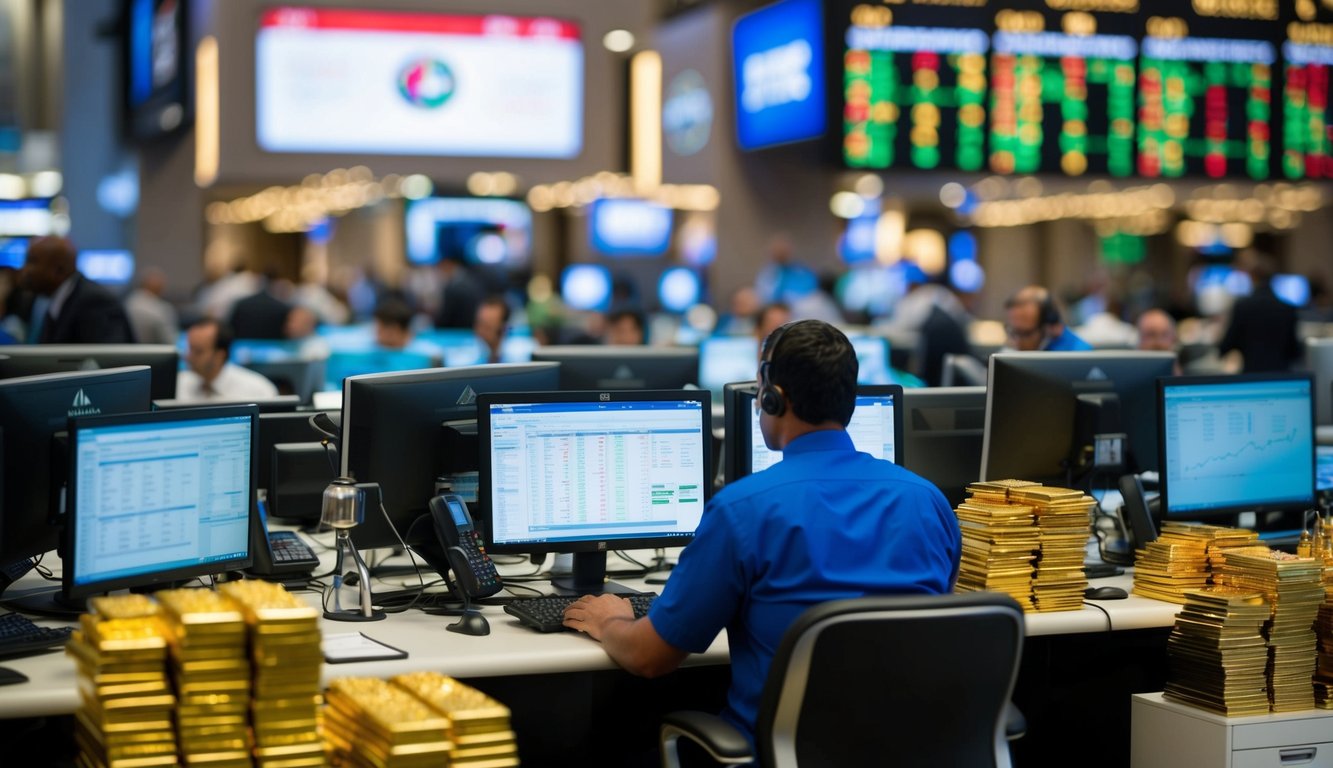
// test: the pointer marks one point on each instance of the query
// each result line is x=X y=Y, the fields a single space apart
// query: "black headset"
x=771 y=399
x=1047 y=312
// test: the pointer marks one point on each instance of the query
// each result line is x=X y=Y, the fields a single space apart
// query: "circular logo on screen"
x=687 y=113
x=426 y=83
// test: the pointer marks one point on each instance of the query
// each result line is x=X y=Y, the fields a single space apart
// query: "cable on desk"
x=1105 y=613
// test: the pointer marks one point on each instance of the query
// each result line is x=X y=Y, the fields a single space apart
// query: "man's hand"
x=590 y=614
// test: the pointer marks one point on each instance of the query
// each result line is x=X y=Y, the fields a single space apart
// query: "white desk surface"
x=512 y=649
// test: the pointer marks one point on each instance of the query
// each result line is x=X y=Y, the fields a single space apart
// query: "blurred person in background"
x=1262 y=331
x=1033 y=322
x=80 y=311
x=738 y=320
x=460 y=296
x=210 y=374
x=263 y=314
x=153 y=318
x=769 y=318
x=393 y=323
x=625 y=326
x=491 y=325
x=1157 y=333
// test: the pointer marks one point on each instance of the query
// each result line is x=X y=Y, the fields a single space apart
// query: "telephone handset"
x=472 y=567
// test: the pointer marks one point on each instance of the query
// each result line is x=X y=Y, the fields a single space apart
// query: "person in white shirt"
x=210 y=375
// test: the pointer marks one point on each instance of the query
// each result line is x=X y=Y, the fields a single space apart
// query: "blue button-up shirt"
x=825 y=523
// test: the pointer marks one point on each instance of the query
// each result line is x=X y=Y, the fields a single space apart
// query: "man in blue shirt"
x=825 y=523
x=1033 y=322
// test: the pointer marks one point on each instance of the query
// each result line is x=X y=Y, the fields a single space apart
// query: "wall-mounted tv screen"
x=334 y=80
x=476 y=230
x=778 y=58
x=629 y=227
x=1122 y=88
x=157 y=72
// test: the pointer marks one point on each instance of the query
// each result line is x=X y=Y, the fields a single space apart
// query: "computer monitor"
x=289 y=427
x=585 y=472
x=943 y=429
x=872 y=359
x=393 y=434
x=159 y=497
x=292 y=369
x=876 y=428
x=34 y=416
x=1319 y=358
x=622 y=367
x=33 y=359
x=341 y=365
x=1044 y=411
x=725 y=359
x=1236 y=444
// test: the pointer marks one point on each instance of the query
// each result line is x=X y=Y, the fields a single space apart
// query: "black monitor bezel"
x=1231 y=509
x=926 y=441
x=572 y=358
x=66 y=358
x=16 y=528
x=74 y=591
x=739 y=424
x=1027 y=362
x=375 y=531
x=484 y=402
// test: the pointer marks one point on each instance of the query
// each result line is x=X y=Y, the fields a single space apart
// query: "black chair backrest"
x=893 y=680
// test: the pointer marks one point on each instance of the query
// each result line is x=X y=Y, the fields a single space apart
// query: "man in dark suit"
x=262 y=315
x=1263 y=327
x=80 y=311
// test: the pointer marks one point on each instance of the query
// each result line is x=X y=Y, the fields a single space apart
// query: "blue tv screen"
x=629 y=227
x=778 y=63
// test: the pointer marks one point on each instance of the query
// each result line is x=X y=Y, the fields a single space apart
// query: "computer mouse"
x=10 y=676
x=1105 y=593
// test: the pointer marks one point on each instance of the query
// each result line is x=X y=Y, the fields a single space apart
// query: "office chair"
x=902 y=680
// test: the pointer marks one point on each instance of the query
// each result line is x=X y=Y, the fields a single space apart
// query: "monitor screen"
x=437 y=84
x=724 y=359
x=340 y=365
x=1040 y=404
x=586 y=472
x=872 y=359
x=622 y=367
x=32 y=359
x=159 y=497
x=475 y=230
x=107 y=266
x=1236 y=443
x=943 y=429
x=876 y=427
x=13 y=252
x=622 y=226
x=34 y=412
x=778 y=65
x=407 y=411
x=157 y=67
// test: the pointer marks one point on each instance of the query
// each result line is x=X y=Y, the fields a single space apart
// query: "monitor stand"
x=589 y=578
x=46 y=602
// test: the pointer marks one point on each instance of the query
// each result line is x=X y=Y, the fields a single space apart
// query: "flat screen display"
x=629 y=227
x=382 y=82
x=1121 y=88
x=778 y=58
x=873 y=430
x=162 y=494
x=1240 y=443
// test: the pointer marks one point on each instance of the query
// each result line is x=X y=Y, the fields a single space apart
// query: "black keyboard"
x=287 y=547
x=20 y=637
x=547 y=614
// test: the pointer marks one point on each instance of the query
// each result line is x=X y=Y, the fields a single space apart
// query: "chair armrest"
x=720 y=739
x=1015 y=724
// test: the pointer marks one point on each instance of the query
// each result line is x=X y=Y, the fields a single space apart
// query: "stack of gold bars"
x=478 y=725
x=1293 y=587
x=1321 y=547
x=1063 y=517
x=207 y=637
x=1218 y=655
x=370 y=723
x=1177 y=562
x=999 y=542
x=124 y=720
x=285 y=653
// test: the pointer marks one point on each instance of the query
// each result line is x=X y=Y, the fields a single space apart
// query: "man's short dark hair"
x=621 y=313
x=816 y=367
x=224 y=336
x=394 y=312
x=496 y=300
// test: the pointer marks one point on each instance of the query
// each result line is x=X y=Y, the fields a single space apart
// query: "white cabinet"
x=1166 y=734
